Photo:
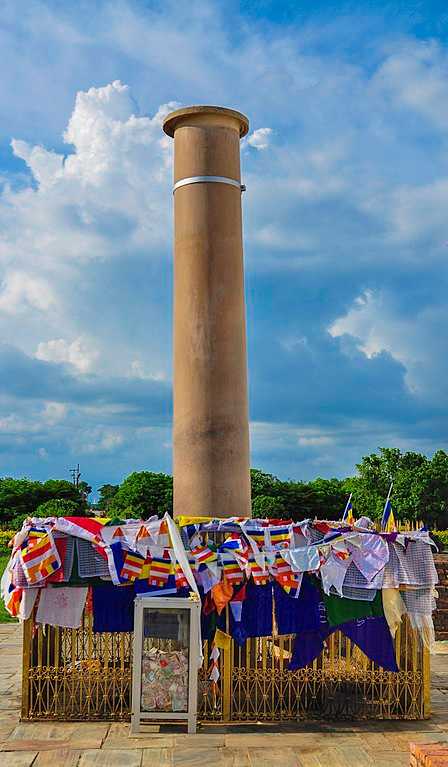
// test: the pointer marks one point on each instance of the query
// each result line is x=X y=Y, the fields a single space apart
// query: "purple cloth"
x=113 y=608
x=296 y=615
x=256 y=615
x=371 y=635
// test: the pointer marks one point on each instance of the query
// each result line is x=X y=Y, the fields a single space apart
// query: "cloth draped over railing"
x=323 y=577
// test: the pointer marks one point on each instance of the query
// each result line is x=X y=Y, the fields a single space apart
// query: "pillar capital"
x=206 y=116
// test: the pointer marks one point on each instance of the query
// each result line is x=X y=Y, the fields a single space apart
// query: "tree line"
x=420 y=493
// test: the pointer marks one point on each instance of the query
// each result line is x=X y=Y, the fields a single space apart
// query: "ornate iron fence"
x=76 y=674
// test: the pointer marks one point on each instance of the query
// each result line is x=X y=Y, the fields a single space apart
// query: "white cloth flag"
x=371 y=557
x=62 y=606
x=333 y=573
x=302 y=560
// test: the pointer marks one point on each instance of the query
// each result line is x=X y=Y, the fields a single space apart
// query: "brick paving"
x=310 y=744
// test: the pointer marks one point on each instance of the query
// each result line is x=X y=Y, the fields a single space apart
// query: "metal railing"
x=76 y=674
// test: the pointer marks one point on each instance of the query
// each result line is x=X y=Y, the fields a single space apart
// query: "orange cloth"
x=222 y=593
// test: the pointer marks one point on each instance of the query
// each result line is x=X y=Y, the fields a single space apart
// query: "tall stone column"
x=210 y=429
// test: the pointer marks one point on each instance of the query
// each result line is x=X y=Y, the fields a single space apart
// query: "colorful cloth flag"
x=257 y=536
x=14 y=601
x=259 y=574
x=179 y=576
x=232 y=571
x=160 y=570
x=203 y=555
x=348 y=513
x=115 y=560
x=132 y=566
x=279 y=535
x=388 y=520
x=40 y=558
x=283 y=573
x=146 y=569
x=142 y=533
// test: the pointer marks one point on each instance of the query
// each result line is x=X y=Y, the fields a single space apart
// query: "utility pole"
x=76 y=475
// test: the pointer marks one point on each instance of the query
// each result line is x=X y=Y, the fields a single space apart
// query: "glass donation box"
x=166 y=660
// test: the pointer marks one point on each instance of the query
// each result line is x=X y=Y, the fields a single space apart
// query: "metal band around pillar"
x=209 y=180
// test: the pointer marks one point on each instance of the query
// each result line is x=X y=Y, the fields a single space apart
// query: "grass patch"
x=4 y=615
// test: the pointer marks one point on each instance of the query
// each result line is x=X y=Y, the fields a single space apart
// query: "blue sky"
x=346 y=240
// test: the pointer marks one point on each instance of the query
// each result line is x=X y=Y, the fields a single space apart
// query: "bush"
x=5 y=537
x=440 y=537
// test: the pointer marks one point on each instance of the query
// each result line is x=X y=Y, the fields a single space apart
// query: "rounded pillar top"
x=206 y=115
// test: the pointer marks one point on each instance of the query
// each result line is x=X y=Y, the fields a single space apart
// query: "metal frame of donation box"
x=166 y=661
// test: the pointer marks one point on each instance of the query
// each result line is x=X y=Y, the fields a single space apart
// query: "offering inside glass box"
x=164 y=684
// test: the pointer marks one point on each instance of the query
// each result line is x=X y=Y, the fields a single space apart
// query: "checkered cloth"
x=67 y=564
x=90 y=563
x=411 y=566
x=355 y=578
x=420 y=601
x=356 y=586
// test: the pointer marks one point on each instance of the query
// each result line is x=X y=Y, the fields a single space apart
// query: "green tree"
x=142 y=494
x=20 y=498
x=265 y=506
x=420 y=490
x=57 y=508
x=330 y=497
x=262 y=483
x=107 y=494
x=84 y=489
x=61 y=489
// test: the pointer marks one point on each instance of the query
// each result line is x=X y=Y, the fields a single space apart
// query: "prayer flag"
x=115 y=561
x=279 y=535
x=259 y=574
x=203 y=555
x=232 y=571
x=181 y=581
x=132 y=566
x=388 y=519
x=257 y=536
x=348 y=512
x=142 y=533
x=13 y=603
x=284 y=574
x=160 y=570
x=39 y=558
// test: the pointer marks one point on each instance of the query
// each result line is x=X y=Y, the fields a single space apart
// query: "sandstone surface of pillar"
x=210 y=417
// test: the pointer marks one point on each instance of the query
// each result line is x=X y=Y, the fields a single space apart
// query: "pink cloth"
x=62 y=606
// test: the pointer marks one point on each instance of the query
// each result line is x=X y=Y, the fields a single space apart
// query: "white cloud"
x=79 y=353
x=138 y=371
x=21 y=292
x=417 y=340
x=260 y=138
x=99 y=441
x=416 y=76
x=45 y=166
x=54 y=412
x=316 y=441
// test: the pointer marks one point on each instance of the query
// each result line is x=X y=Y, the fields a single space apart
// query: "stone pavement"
x=43 y=744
